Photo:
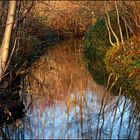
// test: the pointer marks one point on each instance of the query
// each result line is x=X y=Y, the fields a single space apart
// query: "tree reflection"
x=64 y=102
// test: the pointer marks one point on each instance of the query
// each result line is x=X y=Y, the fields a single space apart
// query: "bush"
x=125 y=64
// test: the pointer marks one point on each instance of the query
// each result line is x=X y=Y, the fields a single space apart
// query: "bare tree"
x=11 y=24
x=4 y=50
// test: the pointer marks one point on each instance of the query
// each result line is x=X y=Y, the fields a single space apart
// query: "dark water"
x=63 y=101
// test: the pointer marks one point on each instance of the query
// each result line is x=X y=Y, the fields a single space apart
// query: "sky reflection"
x=67 y=103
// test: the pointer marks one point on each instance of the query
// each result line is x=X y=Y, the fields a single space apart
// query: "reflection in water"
x=65 y=102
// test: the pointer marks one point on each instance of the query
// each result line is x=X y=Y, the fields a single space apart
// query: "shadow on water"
x=63 y=101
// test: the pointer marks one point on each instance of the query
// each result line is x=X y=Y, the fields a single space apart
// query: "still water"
x=63 y=101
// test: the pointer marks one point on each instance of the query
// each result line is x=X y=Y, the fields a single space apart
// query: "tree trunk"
x=4 y=50
x=24 y=14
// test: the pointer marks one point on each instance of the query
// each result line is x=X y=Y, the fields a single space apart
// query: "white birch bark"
x=4 y=50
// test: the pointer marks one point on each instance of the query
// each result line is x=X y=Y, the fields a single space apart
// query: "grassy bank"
x=125 y=64
x=103 y=59
x=95 y=46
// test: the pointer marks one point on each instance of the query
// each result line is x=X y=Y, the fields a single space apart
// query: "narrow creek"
x=63 y=101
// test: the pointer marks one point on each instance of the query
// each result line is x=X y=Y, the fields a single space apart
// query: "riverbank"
x=113 y=66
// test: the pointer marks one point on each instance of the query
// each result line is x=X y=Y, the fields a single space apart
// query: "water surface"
x=63 y=101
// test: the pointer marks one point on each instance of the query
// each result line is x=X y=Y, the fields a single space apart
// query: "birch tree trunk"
x=4 y=50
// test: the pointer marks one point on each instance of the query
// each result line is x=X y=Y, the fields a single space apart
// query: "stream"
x=62 y=100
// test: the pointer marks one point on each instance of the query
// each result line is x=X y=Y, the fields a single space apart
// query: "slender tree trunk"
x=24 y=14
x=4 y=50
